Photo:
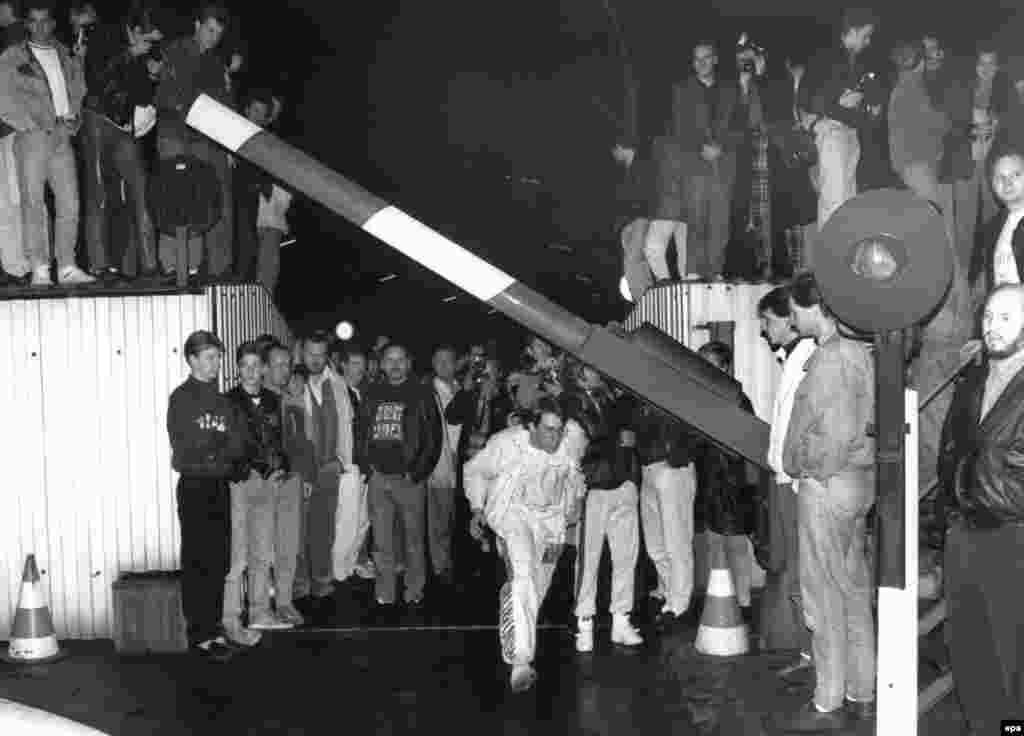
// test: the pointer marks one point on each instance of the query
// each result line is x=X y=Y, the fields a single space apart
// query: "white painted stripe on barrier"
x=720 y=584
x=431 y=249
x=220 y=122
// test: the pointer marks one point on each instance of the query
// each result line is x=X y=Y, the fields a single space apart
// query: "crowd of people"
x=96 y=116
x=329 y=461
x=754 y=160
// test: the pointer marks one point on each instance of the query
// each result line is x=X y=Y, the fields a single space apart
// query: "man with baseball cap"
x=207 y=450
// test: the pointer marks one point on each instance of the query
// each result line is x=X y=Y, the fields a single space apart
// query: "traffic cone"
x=722 y=631
x=33 y=640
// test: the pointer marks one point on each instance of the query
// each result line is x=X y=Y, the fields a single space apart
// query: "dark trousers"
x=782 y=618
x=215 y=248
x=106 y=151
x=319 y=542
x=985 y=630
x=204 y=512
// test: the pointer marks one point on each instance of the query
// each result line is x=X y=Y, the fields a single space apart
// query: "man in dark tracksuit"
x=398 y=446
x=208 y=446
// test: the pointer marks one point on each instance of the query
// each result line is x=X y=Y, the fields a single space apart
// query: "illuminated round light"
x=344 y=330
x=624 y=289
x=879 y=258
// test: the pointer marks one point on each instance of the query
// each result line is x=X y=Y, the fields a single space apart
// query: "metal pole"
x=890 y=433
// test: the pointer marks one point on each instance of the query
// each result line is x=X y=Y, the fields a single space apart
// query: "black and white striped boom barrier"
x=648 y=375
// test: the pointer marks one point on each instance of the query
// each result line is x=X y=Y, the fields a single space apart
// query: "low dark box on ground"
x=147 y=613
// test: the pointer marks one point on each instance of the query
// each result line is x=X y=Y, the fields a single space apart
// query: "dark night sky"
x=445 y=107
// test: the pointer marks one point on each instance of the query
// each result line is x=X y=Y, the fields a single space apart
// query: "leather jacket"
x=123 y=85
x=981 y=465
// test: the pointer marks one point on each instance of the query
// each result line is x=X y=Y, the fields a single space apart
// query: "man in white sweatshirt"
x=525 y=485
x=784 y=625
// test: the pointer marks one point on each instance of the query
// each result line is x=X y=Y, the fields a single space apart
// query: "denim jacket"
x=26 y=101
x=835 y=403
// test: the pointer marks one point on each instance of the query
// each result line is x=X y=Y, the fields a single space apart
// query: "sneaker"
x=41 y=276
x=366 y=570
x=522 y=678
x=799 y=665
x=269 y=622
x=239 y=636
x=585 y=635
x=213 y=650
x=623 y=632
x=74 y=276
x=290 y=614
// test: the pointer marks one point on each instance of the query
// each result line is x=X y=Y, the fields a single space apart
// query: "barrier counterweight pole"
x=611 y=354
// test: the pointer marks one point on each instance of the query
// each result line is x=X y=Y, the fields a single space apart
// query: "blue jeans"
x=107 y=149
x=391 y=497
x=46 y=157
x=836 y=585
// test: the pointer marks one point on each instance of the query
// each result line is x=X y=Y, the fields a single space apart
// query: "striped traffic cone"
x=722 y=631
x=33 y=640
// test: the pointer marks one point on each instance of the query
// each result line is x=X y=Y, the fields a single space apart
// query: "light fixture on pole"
x=345 y=330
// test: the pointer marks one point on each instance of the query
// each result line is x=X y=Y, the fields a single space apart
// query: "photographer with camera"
x=794 y=205
x=539 y=377
x=749 y=250
x=119 y=111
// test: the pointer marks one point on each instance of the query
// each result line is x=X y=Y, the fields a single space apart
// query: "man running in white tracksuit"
x=525 y=484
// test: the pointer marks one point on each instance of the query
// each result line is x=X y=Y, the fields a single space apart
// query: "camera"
x=748 y=49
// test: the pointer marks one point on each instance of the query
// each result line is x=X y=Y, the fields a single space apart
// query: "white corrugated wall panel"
x=243 y=312
x=681 y=310
x=85 y=388
x=21 y=386
x=84 y=384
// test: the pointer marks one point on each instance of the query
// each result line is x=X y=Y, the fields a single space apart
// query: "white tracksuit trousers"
x=666 y=507
x=524 y=538
x=611 y=515
x=838 y=155
x=351 y=524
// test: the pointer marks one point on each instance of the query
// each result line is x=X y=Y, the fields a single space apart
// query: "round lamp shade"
x=883 y=261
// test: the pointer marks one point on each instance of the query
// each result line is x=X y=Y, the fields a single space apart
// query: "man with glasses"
x=525 y=485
